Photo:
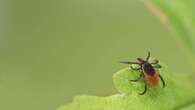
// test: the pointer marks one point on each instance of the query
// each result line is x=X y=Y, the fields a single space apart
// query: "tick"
x=148 y=72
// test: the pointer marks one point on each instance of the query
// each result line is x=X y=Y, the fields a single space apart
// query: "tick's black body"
x=146 y=69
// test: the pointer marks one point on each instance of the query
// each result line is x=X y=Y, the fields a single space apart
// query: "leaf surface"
x=177 y=94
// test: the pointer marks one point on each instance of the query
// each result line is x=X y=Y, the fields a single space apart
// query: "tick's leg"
x=145 y=88
x=157 y=66
x=136 y=69
x=148 y=57
x=155 y=62
x=138 y=78
x=161 y=78
x=127 y=62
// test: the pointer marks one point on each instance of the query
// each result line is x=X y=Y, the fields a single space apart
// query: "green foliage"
x=190 y=107
x=179 y=15
x=178 y=92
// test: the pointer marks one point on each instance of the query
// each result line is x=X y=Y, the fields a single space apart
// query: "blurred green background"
x=53 y=50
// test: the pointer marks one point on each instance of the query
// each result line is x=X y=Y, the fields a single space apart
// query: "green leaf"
x=177 y=94
x=179 y=16
x=190 y=107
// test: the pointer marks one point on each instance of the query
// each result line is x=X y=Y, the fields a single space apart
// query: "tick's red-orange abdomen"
x=152 y=80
